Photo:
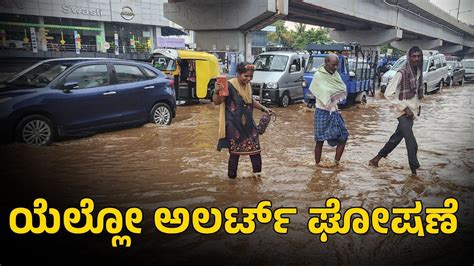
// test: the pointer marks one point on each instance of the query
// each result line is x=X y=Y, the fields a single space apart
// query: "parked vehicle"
x=435 y=71
x=469 y=67
x=356 y=67
x=455 y=73
x=388 y=75
x=72 y=96
x=194 y=73
x=278 y=77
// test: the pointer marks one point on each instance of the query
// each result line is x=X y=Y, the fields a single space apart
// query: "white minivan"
x=435 y=70
x=278 y=77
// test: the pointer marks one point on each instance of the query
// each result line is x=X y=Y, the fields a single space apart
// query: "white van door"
x=295 y=78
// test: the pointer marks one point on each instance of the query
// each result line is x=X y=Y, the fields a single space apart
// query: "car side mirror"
x=292 y=68
x=68 y=86
x=352 y=74
x=432 y=68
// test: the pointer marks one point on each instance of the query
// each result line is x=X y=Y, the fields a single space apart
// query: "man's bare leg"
x=318 y=150
x=339 y=151
x=375 y=161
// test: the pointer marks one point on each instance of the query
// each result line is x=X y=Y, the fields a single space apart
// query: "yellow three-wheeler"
x=194 y=72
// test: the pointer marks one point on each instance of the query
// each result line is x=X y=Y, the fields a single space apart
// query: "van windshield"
x=468 y=64
x=164 y=63
x=271 y=63
x=314 y=63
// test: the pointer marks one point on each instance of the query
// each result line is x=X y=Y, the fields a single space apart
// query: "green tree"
x=395 y=52
x=281 y=35
x=317 y=36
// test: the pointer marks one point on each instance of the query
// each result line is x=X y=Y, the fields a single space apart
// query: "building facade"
x=82 y=26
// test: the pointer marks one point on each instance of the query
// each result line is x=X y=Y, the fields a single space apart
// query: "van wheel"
x=35 y=130
x=160 y=114
x=284 y=100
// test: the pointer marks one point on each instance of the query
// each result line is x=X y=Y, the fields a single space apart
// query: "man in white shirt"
x=405 y=91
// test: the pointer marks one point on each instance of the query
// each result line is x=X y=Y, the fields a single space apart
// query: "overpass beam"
x=225 y=25
x=224 y=15
x=404 y=45
x=374 y=37
x=450 y=49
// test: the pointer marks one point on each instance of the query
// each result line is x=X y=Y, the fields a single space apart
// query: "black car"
x=456 y=73
x=69 y=96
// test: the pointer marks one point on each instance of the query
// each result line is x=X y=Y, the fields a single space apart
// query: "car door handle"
x=109 y=93
x=149 y=87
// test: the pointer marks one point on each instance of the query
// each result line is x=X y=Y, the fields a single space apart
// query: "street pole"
x=459 y=5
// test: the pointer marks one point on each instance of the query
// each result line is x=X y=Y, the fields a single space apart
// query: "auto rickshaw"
x=194 y=72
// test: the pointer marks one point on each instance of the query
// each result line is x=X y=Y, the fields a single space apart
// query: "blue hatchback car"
x=73 y=96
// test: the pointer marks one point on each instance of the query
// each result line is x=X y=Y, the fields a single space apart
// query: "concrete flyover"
x=225 y=24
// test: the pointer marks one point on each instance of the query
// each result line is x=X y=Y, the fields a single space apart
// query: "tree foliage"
x=298 y=38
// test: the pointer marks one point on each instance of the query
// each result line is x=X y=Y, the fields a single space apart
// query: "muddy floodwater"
x=178 y=166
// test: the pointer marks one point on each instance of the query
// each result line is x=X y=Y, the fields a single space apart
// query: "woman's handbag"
x=264 y=122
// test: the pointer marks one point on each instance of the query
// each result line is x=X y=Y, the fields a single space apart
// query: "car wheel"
x=451 y=82
x=461 y=82
x=160 y=114
x=426 y=89
x=35 y=130
x=440 y=86
x=285 y=100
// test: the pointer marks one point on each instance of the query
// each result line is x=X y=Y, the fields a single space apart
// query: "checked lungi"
x=329 y=126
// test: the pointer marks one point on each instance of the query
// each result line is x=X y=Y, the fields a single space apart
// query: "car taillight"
x=172 y=83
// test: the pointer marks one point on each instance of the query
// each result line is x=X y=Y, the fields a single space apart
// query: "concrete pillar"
x=374 y=37
x=424 y=44
x=219 y=40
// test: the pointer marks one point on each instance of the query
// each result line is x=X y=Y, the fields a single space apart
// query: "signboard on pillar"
x=34 y=40
x=77 y=42
x=116 y=43
x=170 y=42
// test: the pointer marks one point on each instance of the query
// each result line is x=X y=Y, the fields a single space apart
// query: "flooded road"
x=178 y=165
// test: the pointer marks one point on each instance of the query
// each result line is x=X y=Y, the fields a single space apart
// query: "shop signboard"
x=170 y=42
x=34 y=41
x=116 y=42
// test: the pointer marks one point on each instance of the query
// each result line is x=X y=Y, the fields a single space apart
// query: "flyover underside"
x=371 y=23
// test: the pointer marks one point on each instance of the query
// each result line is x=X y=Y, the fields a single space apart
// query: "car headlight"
x=304 y=84
x=272 y=85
